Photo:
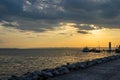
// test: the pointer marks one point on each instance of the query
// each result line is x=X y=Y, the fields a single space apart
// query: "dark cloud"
x=39 y=15
x=87 y=27
x=9 y=24
x=10 y=8
x=83 y=32
x=31 y=25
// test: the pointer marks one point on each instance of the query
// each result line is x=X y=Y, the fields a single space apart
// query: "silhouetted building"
x=110 y=46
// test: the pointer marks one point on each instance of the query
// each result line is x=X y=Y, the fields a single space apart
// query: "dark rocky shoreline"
x=64 y=69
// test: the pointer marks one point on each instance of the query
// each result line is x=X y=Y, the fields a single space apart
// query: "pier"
x=109 y=50
x=106 y=71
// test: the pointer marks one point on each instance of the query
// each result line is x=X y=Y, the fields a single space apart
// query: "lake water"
x=19 y=61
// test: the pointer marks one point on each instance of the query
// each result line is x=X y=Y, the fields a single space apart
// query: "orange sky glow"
x=13 y=38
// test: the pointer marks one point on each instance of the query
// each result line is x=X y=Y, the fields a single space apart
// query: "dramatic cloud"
x=9 y=24
x=83 y=32
x=39 y=15
x=87 y=27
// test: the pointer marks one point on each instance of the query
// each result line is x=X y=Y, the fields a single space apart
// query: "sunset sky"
x=59 y=23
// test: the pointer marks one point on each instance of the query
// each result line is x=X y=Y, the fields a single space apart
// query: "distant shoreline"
x=55 y=48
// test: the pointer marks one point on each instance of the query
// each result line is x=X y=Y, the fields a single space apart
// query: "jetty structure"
x=87 y=49
x=117 y=50
x=109 y=50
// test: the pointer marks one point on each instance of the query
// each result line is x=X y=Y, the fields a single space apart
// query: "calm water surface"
x=20 y=61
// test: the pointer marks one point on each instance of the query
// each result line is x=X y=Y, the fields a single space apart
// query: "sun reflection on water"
x=21 y=64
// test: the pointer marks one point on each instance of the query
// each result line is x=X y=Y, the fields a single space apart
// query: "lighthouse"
x=110 y=46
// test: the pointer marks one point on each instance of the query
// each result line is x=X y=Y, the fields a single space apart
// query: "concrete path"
x=106 y=71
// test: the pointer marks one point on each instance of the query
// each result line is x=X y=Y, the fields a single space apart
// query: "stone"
x=56 y=72
x=83 y=65
x=13 y=77
x=63 y=70
x=37 y=72
x=47 y=74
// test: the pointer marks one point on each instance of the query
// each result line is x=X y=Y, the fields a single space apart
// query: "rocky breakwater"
x=64 y=69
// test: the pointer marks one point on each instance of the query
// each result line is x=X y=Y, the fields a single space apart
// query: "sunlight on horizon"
x=63 y=36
